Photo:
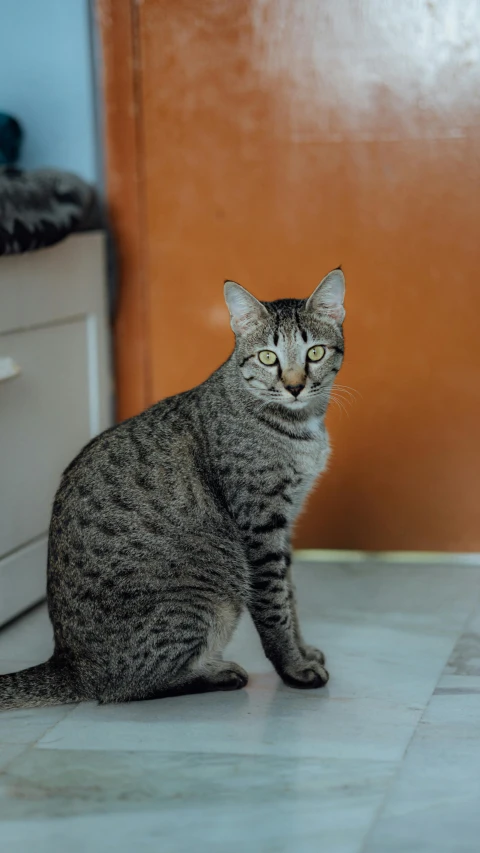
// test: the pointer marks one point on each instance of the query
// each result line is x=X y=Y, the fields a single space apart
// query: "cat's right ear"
x=245 y=310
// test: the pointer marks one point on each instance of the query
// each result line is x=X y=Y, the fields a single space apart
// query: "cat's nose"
x=295 y=389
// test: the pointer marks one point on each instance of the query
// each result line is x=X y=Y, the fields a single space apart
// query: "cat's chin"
x=295 y=405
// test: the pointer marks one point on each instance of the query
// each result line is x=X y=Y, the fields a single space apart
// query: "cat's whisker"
x=340 y=403
x=333 y=398
x=342 y=390
x=353 y=391
x=348 y=398
x=347 y=394
x=335 y=403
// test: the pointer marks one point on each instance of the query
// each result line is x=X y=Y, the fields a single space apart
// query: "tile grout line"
x=35 y=742
x=388 y=791
x=50 y=729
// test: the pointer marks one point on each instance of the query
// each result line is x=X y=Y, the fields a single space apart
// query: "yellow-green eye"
x=266 y=356
x=316 y=353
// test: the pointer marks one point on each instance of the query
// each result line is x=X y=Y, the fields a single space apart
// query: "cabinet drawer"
x=50 y=285
x=23 y=579
x=45 y=418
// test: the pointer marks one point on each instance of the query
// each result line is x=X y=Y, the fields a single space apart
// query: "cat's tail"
x=50 y=683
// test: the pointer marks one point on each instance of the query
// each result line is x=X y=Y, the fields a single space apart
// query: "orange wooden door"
x=280 y=138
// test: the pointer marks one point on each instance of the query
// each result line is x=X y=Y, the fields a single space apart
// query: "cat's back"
x=125 y=464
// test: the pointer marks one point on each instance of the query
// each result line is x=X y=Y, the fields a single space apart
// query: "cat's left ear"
x=327 y=298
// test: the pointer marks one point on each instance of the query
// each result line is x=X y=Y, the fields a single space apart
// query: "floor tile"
x=9 y=751
x=381 y=682
x=28 y=725
x=203 y=802
x=407 y=596
x=267 y=719
x=271 y=769
x=434 y=803
x=385 y=663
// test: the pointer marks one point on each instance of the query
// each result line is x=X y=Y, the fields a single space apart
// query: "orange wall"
x=281 y=138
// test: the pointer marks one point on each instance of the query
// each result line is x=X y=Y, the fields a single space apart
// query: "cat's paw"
x=230 y=676
x=311 y=653
x=306 y=674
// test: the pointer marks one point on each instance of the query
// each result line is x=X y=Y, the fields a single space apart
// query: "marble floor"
x=386 y=759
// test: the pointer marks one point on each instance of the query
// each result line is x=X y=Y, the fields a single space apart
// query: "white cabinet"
x=55 y=394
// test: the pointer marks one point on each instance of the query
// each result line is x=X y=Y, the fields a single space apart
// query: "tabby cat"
x=167 y=526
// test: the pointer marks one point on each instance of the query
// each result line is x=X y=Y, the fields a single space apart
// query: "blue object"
x=10 y=140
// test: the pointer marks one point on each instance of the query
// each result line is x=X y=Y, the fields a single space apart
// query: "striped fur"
x=165 y=527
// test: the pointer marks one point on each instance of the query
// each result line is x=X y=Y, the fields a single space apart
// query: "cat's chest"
x=268 y=473
x=308 y=460
x=292 y=468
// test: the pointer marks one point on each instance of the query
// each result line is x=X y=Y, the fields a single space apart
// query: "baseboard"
x=315 y=555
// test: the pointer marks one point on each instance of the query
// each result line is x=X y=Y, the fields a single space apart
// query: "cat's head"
x=289 y=351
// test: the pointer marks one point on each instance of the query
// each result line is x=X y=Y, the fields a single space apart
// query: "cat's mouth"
x=295 y=403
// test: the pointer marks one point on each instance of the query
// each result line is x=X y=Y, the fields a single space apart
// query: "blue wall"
x=46 y=82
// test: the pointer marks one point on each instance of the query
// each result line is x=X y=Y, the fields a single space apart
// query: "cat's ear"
x=327 y=298
x=245 y=311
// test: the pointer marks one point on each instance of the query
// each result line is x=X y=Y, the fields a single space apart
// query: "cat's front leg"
x=308 y=650
x=274 y=613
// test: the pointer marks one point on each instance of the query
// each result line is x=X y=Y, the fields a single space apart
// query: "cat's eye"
x=316 y=353
x=268 y=357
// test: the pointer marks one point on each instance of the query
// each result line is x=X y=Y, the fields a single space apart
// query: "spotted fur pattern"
x=167 y=526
